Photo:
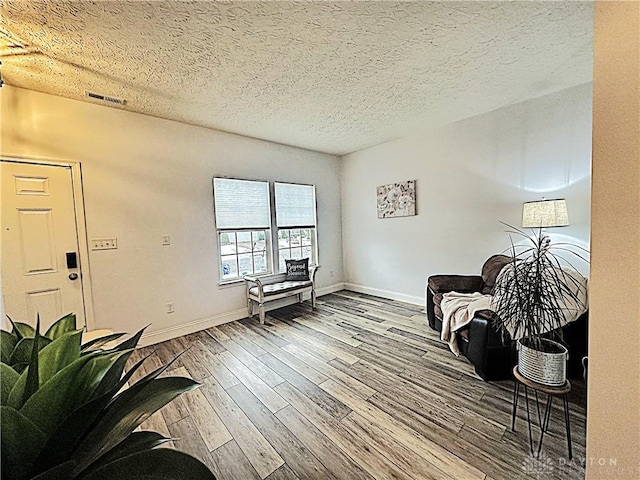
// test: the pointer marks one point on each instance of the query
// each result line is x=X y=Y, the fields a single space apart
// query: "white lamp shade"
x=545 y=213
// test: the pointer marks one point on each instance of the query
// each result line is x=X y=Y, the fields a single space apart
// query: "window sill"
x=240 y=281
x=231 y=283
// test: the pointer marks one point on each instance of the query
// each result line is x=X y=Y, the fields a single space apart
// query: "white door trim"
x=81 y=226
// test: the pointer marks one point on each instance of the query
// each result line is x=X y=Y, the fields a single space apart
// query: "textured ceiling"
x=328 y=76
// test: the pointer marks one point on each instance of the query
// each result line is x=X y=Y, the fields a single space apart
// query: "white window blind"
x=241 y=203
x=295 y=205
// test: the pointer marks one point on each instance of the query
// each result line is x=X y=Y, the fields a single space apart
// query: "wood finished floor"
x=360 y=388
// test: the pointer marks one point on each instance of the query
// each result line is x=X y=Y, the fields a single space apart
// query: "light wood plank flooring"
x=360 y=388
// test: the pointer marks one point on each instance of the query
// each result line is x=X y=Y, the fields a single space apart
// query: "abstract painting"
x=397 y=199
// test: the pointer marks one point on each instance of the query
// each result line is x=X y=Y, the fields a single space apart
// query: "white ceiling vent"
x=105 y=98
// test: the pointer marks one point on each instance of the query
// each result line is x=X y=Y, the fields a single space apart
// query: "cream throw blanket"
x=458 y=309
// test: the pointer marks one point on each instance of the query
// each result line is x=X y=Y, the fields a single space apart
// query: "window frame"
x=272 y=246
x=313 y=260
x=219 y=231
x=267 y=251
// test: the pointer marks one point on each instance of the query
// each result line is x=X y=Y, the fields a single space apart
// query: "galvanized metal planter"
x=541 y=367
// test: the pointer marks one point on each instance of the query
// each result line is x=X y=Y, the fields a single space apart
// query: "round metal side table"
x=543 y=421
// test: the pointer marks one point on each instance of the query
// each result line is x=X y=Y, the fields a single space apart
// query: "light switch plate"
x=166 y=240
x=104 y=243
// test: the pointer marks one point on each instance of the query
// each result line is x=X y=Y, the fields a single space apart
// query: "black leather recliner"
x=492 y=356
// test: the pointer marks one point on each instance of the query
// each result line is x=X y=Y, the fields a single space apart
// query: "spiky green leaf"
x=68 y=435
x=23 y=330
x=63 y=351
x=8 y=342
x=135 y=442
x=130 y=342
x=96 y=370
x=58 y=472
x=62 y=326
x=22 y=352
x=20 y=367
x=114 y=375
x=158 y=464
x=127 y=411
x=8 y=378
x=99 y=342
x=21 y=440
x=66 y=391
x=33 y=382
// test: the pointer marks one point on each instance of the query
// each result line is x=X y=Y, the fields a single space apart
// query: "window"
x=247 y=228
x=295 y=222
x=243 y=222
x=243 y=252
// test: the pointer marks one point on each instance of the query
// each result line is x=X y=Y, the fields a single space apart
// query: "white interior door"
x=39 y=244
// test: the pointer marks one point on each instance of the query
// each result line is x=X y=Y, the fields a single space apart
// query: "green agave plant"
x=65 y=414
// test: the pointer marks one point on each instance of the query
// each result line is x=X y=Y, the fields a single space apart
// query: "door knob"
x=73 y=276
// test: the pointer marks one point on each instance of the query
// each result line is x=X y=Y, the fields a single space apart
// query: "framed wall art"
x=397 y=199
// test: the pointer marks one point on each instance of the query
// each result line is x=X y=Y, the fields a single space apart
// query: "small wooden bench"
x=265 y=288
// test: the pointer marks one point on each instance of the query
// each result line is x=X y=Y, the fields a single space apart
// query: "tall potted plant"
x=535 y=296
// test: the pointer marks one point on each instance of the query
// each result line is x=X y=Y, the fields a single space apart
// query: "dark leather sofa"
x=492 y=356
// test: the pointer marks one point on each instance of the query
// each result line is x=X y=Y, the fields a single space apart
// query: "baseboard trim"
x=336 y=287
x=377 y=292
x=215 y=320
x=191 y=327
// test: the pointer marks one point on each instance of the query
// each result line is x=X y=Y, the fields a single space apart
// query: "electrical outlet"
x=104 y=243
x=170 y=307
x=331 y=273
x=166 y=240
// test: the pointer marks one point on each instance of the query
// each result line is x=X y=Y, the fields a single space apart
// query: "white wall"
x=144 y=177
x=470 y=176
